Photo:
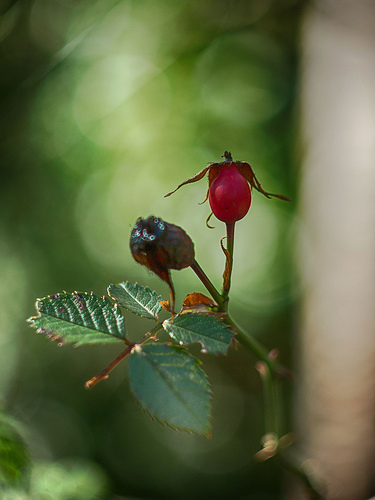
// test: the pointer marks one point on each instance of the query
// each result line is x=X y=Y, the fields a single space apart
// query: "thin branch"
x=103 y=375
x=207 y=283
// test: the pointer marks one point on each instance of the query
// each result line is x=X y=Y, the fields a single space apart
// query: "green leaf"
x=81 y=318
x=209 y=331
x=171 y=387
x=136 y=298
x=15 y=462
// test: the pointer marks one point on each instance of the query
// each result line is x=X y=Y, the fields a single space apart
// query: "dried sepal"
x=243 y=167
x=228 y=268
x=166 y=305
x=195 y=178
x=246 y=170
x=197 y=298
x=197 y=302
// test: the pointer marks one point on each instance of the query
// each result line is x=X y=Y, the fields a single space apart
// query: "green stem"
x=250 y=342
x=266 y=367
x=258 y=349
x=271 y=414
x=207 y=283
x=269 y=370
x=230 y=237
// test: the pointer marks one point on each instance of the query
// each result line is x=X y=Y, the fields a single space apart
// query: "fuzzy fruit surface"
x=229 y=195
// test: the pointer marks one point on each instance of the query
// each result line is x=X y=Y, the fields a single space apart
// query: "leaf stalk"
x=103 y=375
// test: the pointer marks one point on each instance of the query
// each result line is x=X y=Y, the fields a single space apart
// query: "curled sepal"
x=207 y=221
x=213 y=335
x=195 y=178
x=246 y=170
x=243 y=168
x=171 y=386
x=79 y=318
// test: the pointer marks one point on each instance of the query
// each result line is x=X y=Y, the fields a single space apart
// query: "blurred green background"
x=105 y=107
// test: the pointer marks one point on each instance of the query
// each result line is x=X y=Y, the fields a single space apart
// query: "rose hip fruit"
x=229 y=194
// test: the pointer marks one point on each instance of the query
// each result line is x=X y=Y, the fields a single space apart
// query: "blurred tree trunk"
x=335 y=410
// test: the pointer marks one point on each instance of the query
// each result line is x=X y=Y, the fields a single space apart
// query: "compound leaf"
x=170 y=385
x=136 y=298
x=209 y=331
x=80 y=318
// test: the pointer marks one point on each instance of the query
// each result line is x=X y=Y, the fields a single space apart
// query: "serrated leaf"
x=81 y=318
x=136 y=298
x=170 y=385
x=209 y=331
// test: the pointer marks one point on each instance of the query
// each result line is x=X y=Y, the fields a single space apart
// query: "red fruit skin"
x=229 y=195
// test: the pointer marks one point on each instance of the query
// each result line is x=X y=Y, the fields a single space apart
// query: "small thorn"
x=273 y=354
x=261 y=367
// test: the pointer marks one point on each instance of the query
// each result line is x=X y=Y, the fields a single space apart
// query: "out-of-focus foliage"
x=68 y=480
x=14 y=456
x=106 y=106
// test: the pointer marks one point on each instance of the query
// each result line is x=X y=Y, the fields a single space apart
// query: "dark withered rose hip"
x=154 y=241
x=161 y=246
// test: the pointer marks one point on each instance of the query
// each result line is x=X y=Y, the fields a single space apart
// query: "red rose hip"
x=229 y=194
